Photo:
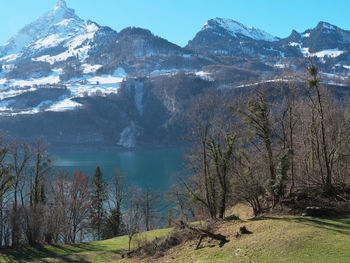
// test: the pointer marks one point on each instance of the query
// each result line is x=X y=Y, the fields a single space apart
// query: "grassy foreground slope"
x=100 y=251
x=273 y=239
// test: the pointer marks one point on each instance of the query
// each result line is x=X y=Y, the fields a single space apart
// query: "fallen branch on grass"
x=206 y=233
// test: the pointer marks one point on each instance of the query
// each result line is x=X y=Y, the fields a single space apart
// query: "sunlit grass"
x=115 y=248
x=273 y=239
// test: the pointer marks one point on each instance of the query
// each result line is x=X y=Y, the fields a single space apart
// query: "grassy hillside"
x=100 y=251
x=273 y=239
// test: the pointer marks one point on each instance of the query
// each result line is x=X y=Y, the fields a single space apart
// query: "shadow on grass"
x=25 y=254
x=56 y=251
x=334 y=225
x=339 y=225
x=76 y=258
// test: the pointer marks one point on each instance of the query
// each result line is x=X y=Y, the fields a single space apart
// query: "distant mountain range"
x=85 y=83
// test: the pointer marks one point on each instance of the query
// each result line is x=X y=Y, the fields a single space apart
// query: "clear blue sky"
x=179 y=20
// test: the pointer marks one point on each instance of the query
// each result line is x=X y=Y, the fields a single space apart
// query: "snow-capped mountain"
x=141 y=53
x=327 y=43
x=53 y=37
x=77 y=81
x=228 y=37
x=49 y=52
x=225 y=37
x=236 y=29
x=325 y=36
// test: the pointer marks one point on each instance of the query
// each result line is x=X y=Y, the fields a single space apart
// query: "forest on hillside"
x=284 y=149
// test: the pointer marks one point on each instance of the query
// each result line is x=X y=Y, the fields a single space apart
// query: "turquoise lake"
x=157 y=168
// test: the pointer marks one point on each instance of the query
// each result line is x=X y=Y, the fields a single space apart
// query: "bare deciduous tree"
x=19 y=157
x=132 y=215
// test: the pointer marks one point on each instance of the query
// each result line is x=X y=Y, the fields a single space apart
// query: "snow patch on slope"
x=117 y=77
x=9 y=58
x=77 y=46
x=93 y=86
x=49 y=41
x=105 y=79
x=235 y=28
x=332 y=53
x=88 y=69
x=329 y=53
x=204 y=75
x=64 y=105
x=328 y=26
x=294 y=44
x=52 y=79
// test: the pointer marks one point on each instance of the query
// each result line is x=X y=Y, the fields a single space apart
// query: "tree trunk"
x=130 y=243
x=291 y=133
x=1 y=222
x=270 y=159
x=328 y=185
x=222 y=205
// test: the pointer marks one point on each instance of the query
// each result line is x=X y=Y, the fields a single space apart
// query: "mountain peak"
x=294 y=35
x=235 y=28
x=226 y=23
x=136 y=31
x=61 y=11
x=41 y=25
x=325 y=25
x=56 y=26
x=61 y=4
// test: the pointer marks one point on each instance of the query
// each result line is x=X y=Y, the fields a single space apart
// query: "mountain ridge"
x=63 y=65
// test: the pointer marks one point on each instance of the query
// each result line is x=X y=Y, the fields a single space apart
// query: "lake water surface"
x=153 y=168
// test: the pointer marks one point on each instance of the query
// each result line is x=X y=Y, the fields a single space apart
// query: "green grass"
x=273 y=239
x=99 y=251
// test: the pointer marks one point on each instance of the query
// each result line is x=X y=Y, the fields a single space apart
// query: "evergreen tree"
x=278 y=189
x=98 y=197
x=113 y=225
